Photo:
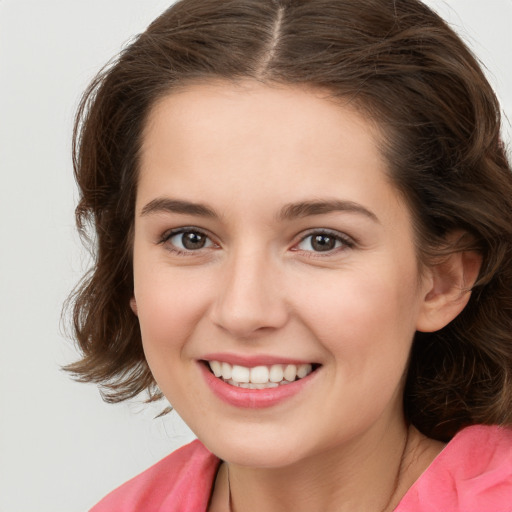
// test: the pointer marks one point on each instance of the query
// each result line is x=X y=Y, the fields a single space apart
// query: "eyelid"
x=168 y=234
x=347 y=241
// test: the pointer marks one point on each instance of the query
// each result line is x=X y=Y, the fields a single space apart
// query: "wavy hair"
x=400 y=64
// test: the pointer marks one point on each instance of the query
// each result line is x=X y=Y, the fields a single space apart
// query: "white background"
x=61 y=448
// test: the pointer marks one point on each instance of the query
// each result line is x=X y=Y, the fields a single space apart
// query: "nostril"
x=245 y=308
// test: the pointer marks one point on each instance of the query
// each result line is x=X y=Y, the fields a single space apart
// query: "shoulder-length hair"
x=398 y=63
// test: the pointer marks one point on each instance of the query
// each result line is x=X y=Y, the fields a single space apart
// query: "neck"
x=372 y=473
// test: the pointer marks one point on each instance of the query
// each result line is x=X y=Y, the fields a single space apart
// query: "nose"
x=250 y=299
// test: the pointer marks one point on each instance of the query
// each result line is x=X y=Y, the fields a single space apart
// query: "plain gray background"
x=61 y=448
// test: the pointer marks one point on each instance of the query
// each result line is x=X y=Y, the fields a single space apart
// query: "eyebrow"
x=309 y=208
x=288 y=212
x=164 y=204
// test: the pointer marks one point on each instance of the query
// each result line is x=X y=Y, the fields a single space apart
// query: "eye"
x=323 y=241
x=187 y=239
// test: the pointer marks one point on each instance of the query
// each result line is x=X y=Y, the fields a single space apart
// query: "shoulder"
x=472 y=474
x=181 y=481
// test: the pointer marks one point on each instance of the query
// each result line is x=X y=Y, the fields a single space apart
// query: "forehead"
x=247 y=141
x=245 y=107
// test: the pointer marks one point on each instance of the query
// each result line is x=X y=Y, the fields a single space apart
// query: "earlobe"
x=133 y=306
x=449 y=290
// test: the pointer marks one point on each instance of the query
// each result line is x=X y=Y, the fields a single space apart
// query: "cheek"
x=363 y=311
x=169 y=305
x=366 y=323
x=169 y=311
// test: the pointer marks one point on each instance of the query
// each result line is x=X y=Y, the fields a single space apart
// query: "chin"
x=256 y=451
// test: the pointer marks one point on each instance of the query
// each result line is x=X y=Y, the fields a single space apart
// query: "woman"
x=303 y=218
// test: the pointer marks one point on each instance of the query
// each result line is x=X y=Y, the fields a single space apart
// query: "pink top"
x=472 y=474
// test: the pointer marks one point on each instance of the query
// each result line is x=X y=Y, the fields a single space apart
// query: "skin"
x=258 y=287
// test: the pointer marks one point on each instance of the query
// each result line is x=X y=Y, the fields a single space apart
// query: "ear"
x=133 y=306
x=448 y=291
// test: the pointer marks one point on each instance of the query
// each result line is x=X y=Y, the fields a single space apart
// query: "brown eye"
x=323 y=242
x=189 y=240
x=193 y=240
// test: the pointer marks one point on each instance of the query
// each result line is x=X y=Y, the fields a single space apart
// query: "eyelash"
x=345 y=241
x=166 y=237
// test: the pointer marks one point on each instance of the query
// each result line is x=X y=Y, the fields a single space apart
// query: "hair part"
x=400 y=65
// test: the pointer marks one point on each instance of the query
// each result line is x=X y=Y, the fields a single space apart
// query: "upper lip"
x=253 y=360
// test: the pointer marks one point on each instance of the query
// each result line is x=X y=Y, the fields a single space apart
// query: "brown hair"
x=399 y=63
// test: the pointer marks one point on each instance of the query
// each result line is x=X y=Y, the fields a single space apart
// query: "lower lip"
x=253 y=398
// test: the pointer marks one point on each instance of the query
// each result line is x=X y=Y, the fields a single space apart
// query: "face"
x=276 y=279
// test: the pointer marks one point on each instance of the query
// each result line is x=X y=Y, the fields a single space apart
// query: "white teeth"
x=216 y=368
x=250 y=385
x=259 y=377
x=303 y=370
x=240 y=373
x=276 y=373
x=226 y=371
x=290 y=372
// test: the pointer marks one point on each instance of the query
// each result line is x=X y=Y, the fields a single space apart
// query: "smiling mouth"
x=260 y=377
